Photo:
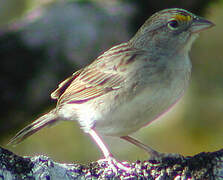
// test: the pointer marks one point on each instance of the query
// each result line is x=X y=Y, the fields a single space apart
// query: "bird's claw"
x=115 y=165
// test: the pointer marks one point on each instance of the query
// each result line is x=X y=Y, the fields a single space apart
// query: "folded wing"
x=105 y=74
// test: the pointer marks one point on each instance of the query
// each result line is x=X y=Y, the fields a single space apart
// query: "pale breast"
x=146 y=106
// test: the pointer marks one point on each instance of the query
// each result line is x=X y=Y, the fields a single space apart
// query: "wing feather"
x=63 y=86
x=98 y=78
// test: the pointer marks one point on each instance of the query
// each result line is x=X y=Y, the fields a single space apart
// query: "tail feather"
x=45 y=120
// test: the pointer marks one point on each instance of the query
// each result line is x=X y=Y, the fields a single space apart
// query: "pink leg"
x=148 y=149
x=108 y=156
x=100 y=143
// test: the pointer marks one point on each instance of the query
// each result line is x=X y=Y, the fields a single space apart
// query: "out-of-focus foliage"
x=48 y=44
x=11 y=10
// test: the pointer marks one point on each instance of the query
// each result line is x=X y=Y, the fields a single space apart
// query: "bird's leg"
x=148 y=149
x=153 y=154
x=107 y=154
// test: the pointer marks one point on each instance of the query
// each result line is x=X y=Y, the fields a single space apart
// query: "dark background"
x=43 y=43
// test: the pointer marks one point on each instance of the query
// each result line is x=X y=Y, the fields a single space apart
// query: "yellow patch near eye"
x=181 y=17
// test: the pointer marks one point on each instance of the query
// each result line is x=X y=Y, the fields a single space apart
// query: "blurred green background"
x=43 y=42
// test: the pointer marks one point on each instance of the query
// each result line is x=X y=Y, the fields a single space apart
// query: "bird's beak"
x=200 y=24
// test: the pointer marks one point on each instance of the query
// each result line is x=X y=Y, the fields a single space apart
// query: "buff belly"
x=139 y=111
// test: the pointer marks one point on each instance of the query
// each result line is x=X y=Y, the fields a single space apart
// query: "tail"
x=45 y=120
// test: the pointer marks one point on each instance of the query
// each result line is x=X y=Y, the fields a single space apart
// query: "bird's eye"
x=173 y=24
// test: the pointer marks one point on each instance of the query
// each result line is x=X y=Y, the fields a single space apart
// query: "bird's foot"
x=155 y=155
x=115 y=165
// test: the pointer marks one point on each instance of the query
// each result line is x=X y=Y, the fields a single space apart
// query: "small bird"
x=129 y=85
